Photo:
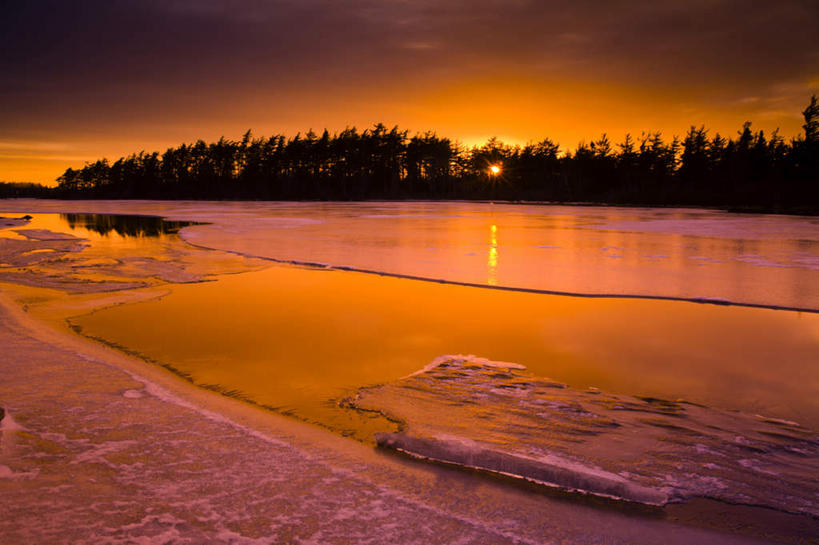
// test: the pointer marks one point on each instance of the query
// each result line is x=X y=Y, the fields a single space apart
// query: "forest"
x=747 y=171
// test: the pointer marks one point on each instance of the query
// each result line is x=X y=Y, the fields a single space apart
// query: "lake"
x=711 y=309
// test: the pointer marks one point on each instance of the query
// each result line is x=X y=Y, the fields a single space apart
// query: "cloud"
x=33 y=146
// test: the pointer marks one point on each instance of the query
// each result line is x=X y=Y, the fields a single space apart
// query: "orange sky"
x=104 y=79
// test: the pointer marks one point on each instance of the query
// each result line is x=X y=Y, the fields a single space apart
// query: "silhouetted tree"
x=750 y=170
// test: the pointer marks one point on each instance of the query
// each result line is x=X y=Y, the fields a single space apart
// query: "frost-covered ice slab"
x=468 y=411
x=547 y=469
x=70 y=253
x=44 y=234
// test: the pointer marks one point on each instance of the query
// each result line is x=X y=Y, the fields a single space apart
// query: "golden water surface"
x=301 y=339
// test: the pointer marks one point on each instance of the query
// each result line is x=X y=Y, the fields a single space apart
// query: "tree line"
x=750 y=170
x=14 y=190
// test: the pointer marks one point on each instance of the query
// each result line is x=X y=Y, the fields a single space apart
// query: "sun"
x=494 y=169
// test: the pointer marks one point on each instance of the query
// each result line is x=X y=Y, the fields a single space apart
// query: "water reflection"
x=124 y=225
x=492 y=259
x=297 y=339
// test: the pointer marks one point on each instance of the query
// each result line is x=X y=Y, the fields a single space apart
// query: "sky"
x=85 y=79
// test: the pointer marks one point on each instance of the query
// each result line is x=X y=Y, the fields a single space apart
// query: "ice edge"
x=464 y=359
x=573 y=479
x=332 y=267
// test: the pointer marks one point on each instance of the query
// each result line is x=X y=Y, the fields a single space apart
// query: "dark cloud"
x=179 y=39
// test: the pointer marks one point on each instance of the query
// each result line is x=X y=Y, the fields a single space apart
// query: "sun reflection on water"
x=492 y=257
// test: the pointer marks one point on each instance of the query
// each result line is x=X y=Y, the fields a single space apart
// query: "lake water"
x=752 y=259
x=744 y=258
x=329 y=331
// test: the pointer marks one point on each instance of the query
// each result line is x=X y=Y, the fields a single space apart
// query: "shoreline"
x=809 y=212
x=427 y=487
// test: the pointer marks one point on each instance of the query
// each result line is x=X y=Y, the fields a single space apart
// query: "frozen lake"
x=767 y=260
x=754 y=259
x=303 y=332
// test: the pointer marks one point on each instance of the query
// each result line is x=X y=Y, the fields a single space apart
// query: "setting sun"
x=494 y=169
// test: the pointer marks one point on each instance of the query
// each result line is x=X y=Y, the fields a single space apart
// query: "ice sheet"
x=755 y=259
x=496 y=417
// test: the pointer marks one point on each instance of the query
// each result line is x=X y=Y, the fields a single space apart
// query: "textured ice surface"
x=44 y=234
x=499 y=418
x=95 y=464
x=66 y=254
